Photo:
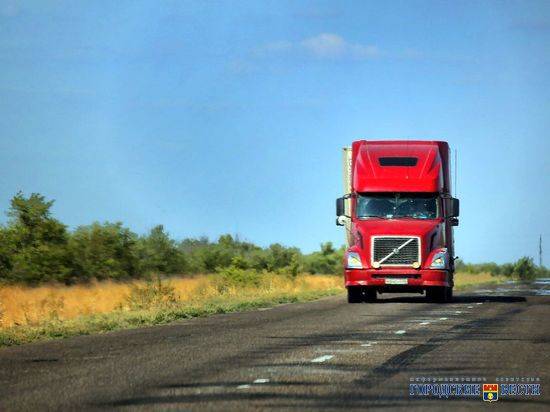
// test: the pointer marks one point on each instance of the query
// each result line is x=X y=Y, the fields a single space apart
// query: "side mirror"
x=340 y=207
x=452 y=207
x=454 y=221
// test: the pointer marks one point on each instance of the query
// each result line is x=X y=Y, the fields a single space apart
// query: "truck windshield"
x=417 y=206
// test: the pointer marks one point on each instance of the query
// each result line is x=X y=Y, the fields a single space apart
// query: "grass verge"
x=152 y=303
x=464 y=281
x=55 y=311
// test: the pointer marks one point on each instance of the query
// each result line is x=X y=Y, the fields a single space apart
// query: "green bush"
x=104 y=251
x=525 y=269
x=235 y=277
x=327 y=261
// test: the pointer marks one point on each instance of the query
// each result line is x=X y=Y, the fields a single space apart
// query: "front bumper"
x=411 y=278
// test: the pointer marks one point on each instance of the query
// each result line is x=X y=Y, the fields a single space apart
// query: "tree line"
x=35 y=247
x=524 y=268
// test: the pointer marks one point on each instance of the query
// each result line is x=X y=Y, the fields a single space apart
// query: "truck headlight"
x=354 y=261
x=439 y=260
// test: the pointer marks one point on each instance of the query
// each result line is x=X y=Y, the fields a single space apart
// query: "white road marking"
x=443 y=312
x=243 y=386
x=443 y=318
x=424 y=323
x=470 y=307
x=323 y=358
x=479 y=303
x=261 y=380
x=458 y=312
x=400 y=332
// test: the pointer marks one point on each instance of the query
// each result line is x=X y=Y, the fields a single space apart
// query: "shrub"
x=154 y=294
x=327 y=261
x=525 y=269
x=234 y=277
x=104 y=251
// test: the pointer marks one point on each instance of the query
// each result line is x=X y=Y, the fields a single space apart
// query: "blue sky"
x=215 y=117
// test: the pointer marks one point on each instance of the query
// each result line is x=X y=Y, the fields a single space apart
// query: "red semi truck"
x=399 y=216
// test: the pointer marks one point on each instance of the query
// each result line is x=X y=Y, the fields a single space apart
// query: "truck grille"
x=402 y=251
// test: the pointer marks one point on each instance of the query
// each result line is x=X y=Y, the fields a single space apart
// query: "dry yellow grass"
x=463 y=280
x=24 y=305
x=31 y=306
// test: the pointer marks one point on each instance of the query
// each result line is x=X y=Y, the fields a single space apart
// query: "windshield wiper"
x=379 y=217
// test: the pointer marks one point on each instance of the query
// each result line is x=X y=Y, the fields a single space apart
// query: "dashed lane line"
x=322 y=359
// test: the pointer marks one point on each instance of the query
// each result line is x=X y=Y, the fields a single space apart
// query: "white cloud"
x=329 y=45
x=325 y=46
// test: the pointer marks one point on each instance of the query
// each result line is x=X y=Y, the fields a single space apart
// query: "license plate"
x=390 y=281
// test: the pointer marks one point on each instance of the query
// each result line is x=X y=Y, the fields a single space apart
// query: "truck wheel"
x=439 y=294
x=430 y=295
x=354 y=294
x=370 y=295
x=449 y=294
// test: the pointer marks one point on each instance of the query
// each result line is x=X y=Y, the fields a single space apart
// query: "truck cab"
x=399 y=217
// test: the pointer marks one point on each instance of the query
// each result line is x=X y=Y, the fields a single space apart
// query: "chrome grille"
x=394 y=251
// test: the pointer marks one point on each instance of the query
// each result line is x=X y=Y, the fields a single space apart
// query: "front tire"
x=369 y=295
x=439 y=294
x=355 y=294
x=449 y=295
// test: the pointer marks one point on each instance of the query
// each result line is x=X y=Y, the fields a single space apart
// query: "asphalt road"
x=323 y=355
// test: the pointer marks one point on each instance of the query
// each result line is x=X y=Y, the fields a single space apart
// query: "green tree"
x=34 y=244
x=279 y=256
x=327 y=261
x=104 y=251
x=327 y=249
x=294 y=267
x=6 y=251
x=525 y=269
x=159 y=253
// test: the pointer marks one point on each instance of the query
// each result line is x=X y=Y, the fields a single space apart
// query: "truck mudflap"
x=398 y=280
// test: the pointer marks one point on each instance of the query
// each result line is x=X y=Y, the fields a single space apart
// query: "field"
x=466 y=280
x=51 y=311
x=54 y=310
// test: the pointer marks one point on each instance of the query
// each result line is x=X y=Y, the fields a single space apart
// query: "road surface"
x=322 y=355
